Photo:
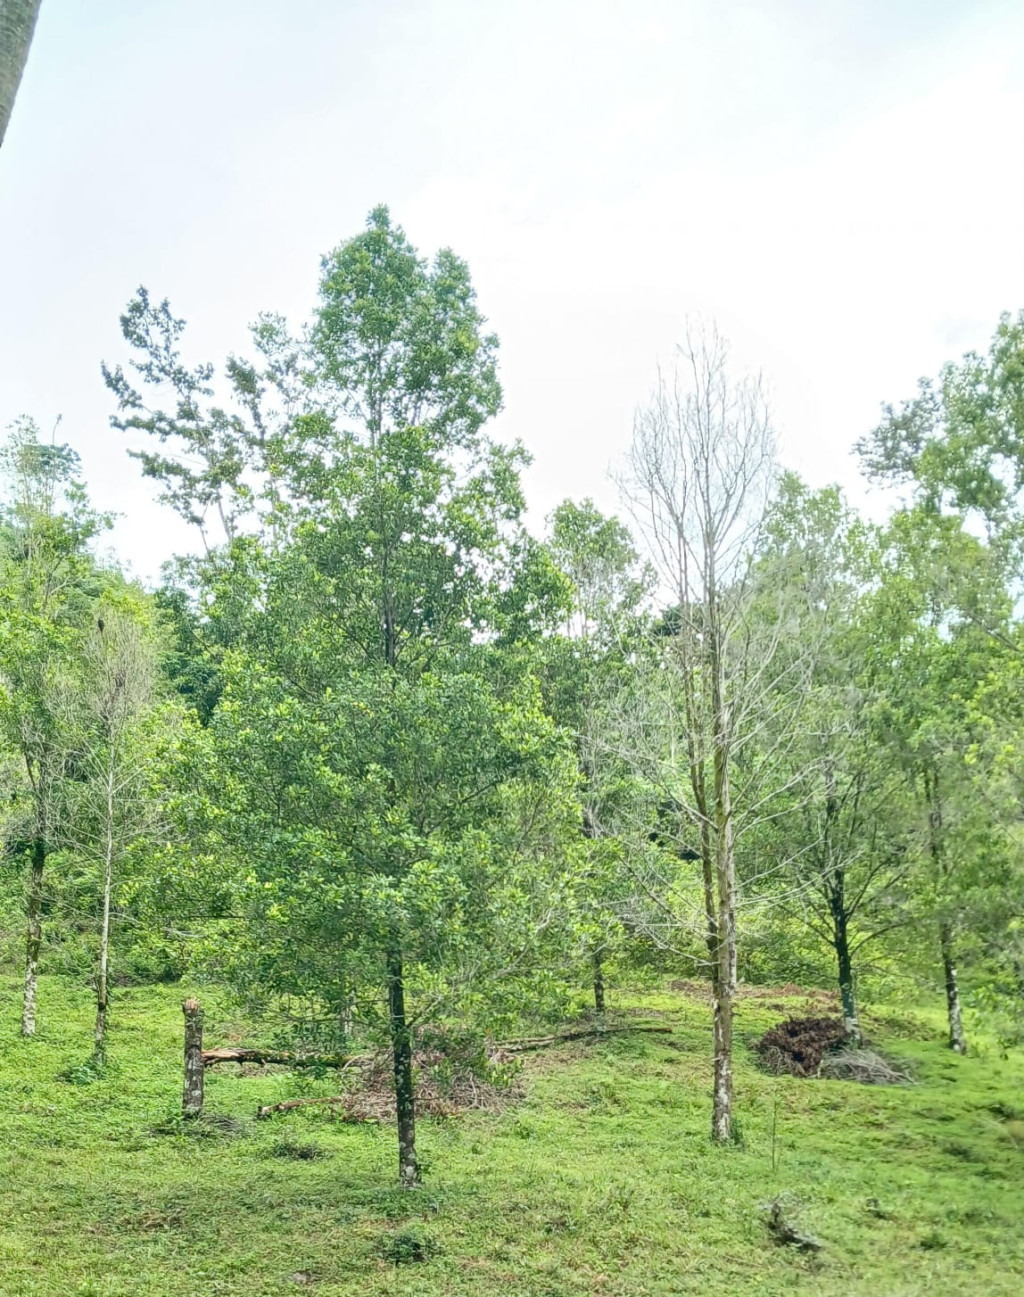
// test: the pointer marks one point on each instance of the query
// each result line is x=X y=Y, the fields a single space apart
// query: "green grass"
x=603 y=1182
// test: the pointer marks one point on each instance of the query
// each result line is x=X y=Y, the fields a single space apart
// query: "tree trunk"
x=192 y=1094
x=401 y=1047
x=721 y=1108
x=957 y=1039
x=100 y=1031
x=834 y=872
x=34 y=936
x=347 y=1016
x=598 y=983
x=842 y=945
x=17 y=23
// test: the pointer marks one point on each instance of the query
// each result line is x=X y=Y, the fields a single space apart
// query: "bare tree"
x=698 y=482
x=112 y=806
x=17 y=23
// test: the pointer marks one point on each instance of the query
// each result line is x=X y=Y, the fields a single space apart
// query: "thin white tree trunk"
x=100 y=1035
x=721 y=1113
x=34 y=937
x=17 y=23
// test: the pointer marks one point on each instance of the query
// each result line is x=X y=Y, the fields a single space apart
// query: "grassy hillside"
x=603 y=1181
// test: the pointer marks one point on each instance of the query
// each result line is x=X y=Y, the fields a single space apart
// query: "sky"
x=839 y=185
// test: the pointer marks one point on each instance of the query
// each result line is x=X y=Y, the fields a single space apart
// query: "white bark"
x=111 y=807
x=100 y=1034
x=699 y=478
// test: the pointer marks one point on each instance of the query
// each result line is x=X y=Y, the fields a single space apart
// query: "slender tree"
x=841 y=843
x=48 y=585
x=584 y=667
x=114 y=731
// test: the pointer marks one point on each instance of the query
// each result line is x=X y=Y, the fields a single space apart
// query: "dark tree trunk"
x=401 y=1047
x=598 y=982
x=842 y=944
x=192 y=1093
x=34 y=936
x=844 y=961
x=957 y=1039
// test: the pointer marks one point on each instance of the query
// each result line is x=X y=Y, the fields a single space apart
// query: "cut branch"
x=213 y=1056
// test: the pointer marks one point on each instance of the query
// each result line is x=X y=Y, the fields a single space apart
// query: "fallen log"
x=542 y=1042
x=213 y=1056
x=288 y=1059
x=268 y=1109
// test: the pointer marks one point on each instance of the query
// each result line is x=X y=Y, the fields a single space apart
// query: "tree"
x=371 y=747
x=114 y=730
x=17 y=24
x=930 y=665
x=842 y=846
x=584 y=666
x=698 y=481
x=959 y=445
x=48 y=584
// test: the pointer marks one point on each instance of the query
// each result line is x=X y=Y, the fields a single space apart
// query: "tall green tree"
x=372 y=747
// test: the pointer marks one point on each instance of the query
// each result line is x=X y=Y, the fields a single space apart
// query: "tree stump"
x=192 y=1095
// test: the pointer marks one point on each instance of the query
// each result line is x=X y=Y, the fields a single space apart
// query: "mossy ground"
x=603 y=1182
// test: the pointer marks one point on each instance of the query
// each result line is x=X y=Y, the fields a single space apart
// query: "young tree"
x=584 y=667
x=841 y=843
x=48 y=584
x=928 y=663
x=114 y=729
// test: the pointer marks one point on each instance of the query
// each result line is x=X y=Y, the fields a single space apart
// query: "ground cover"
x=602 y=1180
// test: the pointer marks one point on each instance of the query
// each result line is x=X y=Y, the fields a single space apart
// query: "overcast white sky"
x=841 y=184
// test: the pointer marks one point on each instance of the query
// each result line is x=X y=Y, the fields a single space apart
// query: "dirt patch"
x=702 y=991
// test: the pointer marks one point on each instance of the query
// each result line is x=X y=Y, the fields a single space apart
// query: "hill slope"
x=602 y=1181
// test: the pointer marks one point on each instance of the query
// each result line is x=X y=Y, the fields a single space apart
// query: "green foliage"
x=376 y=783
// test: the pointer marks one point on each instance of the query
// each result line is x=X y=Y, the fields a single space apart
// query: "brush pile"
x=797 y=1046
x=445 y=1086
x=862 y=1065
